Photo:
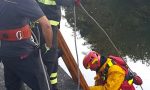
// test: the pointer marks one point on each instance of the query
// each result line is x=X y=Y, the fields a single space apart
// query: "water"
x=141 y=69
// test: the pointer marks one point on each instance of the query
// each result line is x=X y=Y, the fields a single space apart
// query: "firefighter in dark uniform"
x=52 y=10
x=18 y=53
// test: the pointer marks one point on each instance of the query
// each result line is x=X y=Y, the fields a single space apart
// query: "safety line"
x=102 y=30
x=76 y=48
x=37 y=40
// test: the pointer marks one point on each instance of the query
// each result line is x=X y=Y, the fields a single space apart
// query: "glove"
x=137 y=80
x=59 y=52
x=96 y=77
x=49 y=54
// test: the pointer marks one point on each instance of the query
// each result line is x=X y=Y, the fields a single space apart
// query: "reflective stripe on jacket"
x=53 y=22
x=48 y=2
x=52 y=10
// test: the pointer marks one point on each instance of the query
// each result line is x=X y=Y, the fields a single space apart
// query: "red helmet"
x=92 y=60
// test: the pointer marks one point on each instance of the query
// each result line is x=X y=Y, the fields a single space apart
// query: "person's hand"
x=137 y=80
x=49 y=54
x=96 y=77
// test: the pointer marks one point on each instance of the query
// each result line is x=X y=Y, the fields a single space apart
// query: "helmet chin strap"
x=102 y=61
x=95 y=61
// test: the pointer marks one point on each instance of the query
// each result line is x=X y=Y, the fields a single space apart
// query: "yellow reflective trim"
x=95 y=61
x=53 y=75
x=53 y=81
x=54 y=23
x=48 y=2
x=109 y=62
x=130 y=81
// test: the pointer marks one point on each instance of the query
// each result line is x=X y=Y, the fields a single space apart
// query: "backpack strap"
x=105 y=71
x=110 y=63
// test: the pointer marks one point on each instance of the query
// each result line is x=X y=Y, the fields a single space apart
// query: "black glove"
x=50 y=55
x=59 y=53
x=137 y=80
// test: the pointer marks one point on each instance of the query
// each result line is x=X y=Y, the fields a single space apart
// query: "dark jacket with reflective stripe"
x=53 y=12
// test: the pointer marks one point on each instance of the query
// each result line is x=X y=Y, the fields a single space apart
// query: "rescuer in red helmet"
x=112 y=73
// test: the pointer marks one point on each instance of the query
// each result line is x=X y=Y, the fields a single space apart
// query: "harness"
x=128 y=75
x=16 y=34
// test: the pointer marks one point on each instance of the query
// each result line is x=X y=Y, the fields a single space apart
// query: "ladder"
x=70 y=62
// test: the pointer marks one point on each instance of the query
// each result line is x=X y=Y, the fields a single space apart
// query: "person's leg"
x=52 y=62
x=12 y=81
x=30 y=71
x=33 y=74
x=53 y=75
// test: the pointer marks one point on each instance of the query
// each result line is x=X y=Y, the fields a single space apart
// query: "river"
x=141 y=69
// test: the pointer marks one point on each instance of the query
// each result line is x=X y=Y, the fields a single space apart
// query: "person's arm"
x=46 y=30
x=31 y=10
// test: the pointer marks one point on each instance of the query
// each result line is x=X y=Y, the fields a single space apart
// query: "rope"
x=113 y=44
x=75 y=29
x=37 y=40
x=102 y=30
